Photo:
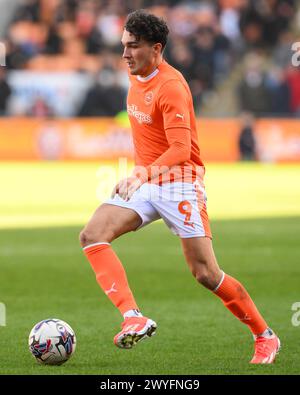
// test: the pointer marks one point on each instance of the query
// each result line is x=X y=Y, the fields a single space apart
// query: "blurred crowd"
x=208 y=39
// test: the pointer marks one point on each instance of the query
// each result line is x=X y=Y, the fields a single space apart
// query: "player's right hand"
x=126 y=187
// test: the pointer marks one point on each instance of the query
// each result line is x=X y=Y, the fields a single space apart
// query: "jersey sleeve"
x=174 y=104
x=179 y=151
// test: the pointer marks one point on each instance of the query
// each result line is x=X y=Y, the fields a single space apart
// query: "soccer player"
x=166 y=183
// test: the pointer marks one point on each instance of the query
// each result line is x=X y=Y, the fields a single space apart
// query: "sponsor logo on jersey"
x=140 y=116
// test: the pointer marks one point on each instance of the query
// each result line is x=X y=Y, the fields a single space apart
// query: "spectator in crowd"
x=207 y=39
x=261 y=22
x=40 y=108
x=203 y=51
x=279 y=92
x=282 y=53
x=293 y=80
x=5 y=92
x=246 y=142
x=29 y=10
x=251 y=25
x=181 y=57
x=253 y=93
x=105 y=98
x=198 y=48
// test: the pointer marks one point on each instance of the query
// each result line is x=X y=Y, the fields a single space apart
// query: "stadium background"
x=65 y=141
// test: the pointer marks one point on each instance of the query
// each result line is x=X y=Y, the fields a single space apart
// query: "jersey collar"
x=149 y=77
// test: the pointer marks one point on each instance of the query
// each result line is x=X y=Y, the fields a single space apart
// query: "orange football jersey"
x=161 y=113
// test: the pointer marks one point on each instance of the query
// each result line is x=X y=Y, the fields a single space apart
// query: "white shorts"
x=182 y=206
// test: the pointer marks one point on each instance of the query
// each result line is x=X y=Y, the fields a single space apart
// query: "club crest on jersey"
x=140 y=116
x=148 y=97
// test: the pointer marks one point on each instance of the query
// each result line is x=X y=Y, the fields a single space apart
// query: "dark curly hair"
x=148 y=27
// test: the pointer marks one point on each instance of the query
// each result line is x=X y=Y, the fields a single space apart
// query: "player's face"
x=140 y=56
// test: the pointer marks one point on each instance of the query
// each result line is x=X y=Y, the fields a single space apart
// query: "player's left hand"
x=126 y=187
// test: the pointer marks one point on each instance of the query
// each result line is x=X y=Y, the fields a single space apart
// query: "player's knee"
x=87 y=237
x=205 y=275
x=83 y=238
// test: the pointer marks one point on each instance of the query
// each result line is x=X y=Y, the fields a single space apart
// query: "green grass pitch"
x=255 y=217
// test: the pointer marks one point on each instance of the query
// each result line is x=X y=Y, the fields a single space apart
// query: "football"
x=52 y=342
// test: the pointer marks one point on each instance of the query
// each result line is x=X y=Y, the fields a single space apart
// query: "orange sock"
x=110 y=275
x=238 y=301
